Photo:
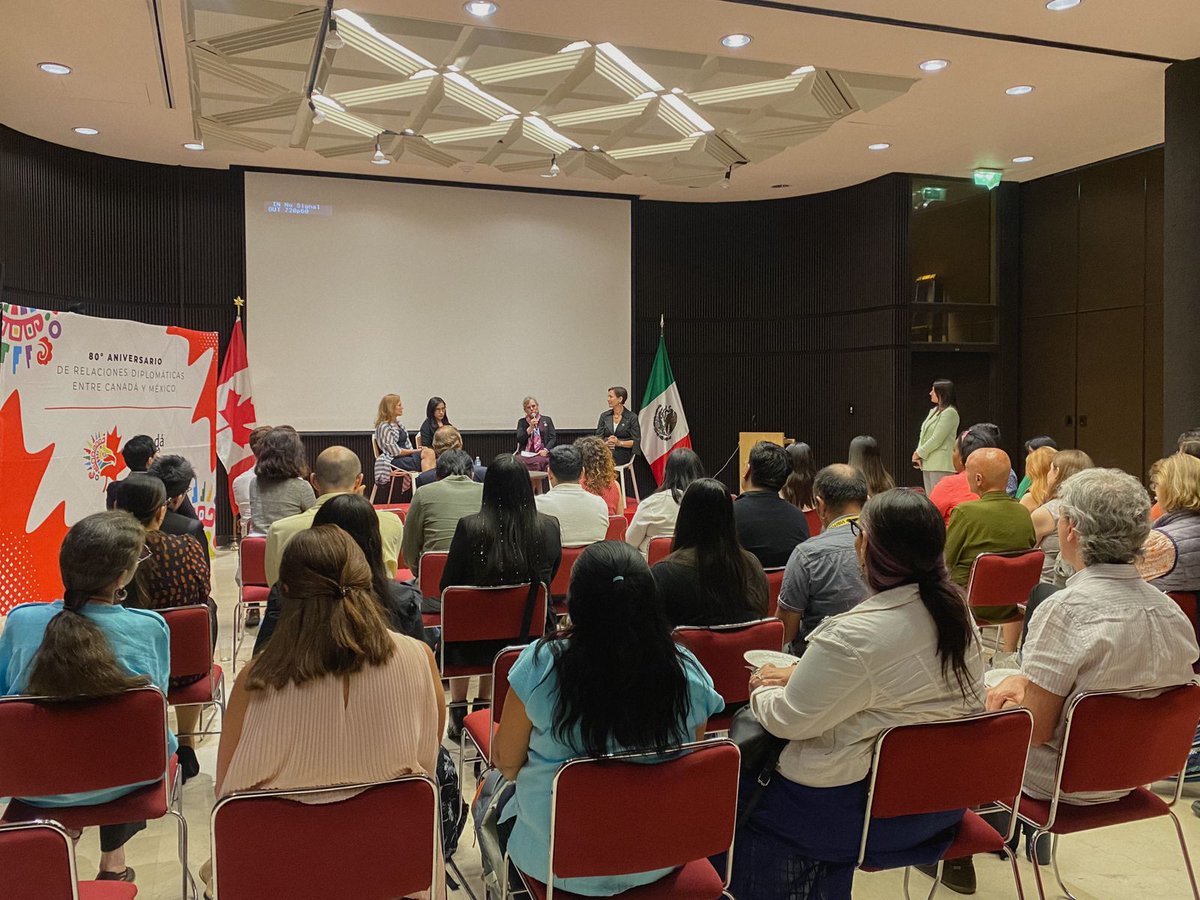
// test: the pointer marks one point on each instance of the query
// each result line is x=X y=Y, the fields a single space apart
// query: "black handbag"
x=760 y=755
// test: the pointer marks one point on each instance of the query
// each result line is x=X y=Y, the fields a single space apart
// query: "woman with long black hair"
x=654 y=696
x=655 y=516
x=798 y=489
x=435 y=418
x=867 y=458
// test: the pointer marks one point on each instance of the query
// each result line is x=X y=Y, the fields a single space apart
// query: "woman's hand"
x=771 y=676
x=543 y=452
x=916 y=460
x=1008 y=693
x=612 y=441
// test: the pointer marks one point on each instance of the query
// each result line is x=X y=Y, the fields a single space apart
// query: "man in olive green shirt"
x=437 y=507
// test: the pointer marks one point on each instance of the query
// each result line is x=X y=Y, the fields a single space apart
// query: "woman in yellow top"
x=935 y=448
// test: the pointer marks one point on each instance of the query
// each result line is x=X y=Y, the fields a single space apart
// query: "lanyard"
x=844 y=520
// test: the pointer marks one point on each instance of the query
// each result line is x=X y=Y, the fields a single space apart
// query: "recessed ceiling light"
x=54 y=68
x=1018 y=90
x=879 y=146
x=735 y=41
x=1022 y=159
x=193 y=145
x=934 y=65
x=480 y=8
x=83 y=129
x=1058 y=5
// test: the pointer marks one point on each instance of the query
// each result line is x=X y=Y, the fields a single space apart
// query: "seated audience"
x=823 y=577
x=655 y=516
x=1173 y=561
x=1037 y=470
x=619 y=428
x=954 y=489
x=435 y=418
x=599 y=473
x=709 y=579
x=907 y=654
x=507 y=542
x=865 y=456
x=394 y=445
x=767 y=525
x=280 y=488
x=241 y=484
x=435 y=510
x=536 y=437
x=88 y=644
x=177 y=475
x=1045 y=518
x=582 y=516
x=446 y=438
x=1031 y=445
x=138 y=454
x=554 y=713
x=798 y=489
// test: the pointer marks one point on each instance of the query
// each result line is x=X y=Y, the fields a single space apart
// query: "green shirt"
x=434 y=514
x=936 y=444
x=992 y=524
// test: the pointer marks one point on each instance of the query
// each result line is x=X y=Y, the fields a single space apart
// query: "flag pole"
x=661 y=319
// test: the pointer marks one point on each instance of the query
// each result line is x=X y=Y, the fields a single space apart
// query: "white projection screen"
x=357 y=288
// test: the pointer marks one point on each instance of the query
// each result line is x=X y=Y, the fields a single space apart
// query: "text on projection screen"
x=358 y=288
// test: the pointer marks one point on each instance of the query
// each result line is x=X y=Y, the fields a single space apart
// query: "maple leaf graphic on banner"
x=238 y=414
x=114 y=462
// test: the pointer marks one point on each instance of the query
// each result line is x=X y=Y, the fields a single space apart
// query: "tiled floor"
x=1136 y=861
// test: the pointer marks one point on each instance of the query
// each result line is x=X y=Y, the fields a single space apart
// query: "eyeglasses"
x=146 y=554
x=855 y=527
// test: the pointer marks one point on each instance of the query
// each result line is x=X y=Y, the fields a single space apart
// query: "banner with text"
x=73 y=389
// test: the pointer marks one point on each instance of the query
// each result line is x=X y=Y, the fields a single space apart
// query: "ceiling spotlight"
x=193 y=145
x=1057 y=5
x=408 y=132
x=734 y=41
x=333 y=40
x=1022 y=159
x=596 y=148
x=1018 y=90
x=379 y=158
x=727 y=179
x=54 y=68
x=318 y=115
x=480 y=8
x=934 y=65
x=553 y=171
x=84 y=130
x=879 y=146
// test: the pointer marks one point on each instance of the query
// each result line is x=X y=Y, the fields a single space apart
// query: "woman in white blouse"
x=909 y=653
x=655 y=516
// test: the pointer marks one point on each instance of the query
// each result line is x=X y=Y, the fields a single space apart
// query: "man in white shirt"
x=582 y=517
x=241 y=484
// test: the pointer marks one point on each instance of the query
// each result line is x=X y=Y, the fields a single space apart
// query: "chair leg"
x=188 y=888
x=1187 y=859
x=1037 y=870
x=1054 y=863
x=1012 y=860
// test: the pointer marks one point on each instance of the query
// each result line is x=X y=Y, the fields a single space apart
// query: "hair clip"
x=617 y=578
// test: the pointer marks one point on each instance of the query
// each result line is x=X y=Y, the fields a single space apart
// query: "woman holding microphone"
x=535 y=437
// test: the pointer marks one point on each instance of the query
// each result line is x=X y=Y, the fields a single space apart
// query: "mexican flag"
x=664 y=426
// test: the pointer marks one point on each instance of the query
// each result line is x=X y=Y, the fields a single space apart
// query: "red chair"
x=37 y=862
x=616 y=528
x=721 y=651
x=487 y=614
x=814 y=522
x=980 y=763
x=659 y=549
x=1116 y=741
x=192 y=652
x=774 y=583
x=562 y=578
x=51 y=746
x=617 y=816
x=1187 y=602
x=398 y=509
x=1004 y=579
x=382 y=843
x=433 y=564
x=480 y=726
x=253 y=591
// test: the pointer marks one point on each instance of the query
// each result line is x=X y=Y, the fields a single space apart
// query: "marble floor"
x=1133 y=861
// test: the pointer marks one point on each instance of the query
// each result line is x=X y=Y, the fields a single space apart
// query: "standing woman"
x=435 y=418
x=395 y=448
x=280 y=487
x=535 y=437
x=936 y=444
x=619 y=427
x=864 y=456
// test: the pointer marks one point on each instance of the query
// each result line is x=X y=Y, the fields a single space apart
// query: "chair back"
x=660 y=548
x=37 y=862
x=385 y=841
x=774 y=583
x=980 y=761
x=491 y=614
x=191 y=639
x=1187 y=603
x=501 y=666
x=1004 y=579
x=618 y=815
x=616 y=528
x=562 y=578
x=721 y=651
x=253 y=556
x=50 y=746
x=433 y=564
x=814 y=522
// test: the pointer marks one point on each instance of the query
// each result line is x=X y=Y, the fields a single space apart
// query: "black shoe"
x=127 y=876
x=253 y=618
x=189 y=765
x=957 y=874
x=1042 y=848
x=454 y=727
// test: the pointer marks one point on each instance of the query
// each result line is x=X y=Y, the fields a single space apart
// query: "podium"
x=746 y=442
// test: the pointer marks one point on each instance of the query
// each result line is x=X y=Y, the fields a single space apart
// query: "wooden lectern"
x=746 y=442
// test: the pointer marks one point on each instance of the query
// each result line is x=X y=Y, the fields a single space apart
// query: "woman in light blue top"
x=935 y=447
x=87 y=644
x=619 y=638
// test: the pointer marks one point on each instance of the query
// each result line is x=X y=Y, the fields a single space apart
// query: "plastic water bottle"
x=478 y=462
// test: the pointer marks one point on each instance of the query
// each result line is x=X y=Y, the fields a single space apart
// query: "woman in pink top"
x=599 y=473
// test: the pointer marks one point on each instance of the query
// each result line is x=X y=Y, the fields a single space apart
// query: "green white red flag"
x=664 y=426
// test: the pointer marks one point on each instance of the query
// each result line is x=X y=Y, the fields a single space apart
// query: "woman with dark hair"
x=655 y=516
x=507 y=542
x=89 y=645
x=280 y=488
x=709 y=579
x=798 y=489
x=620 y=638
x=865 y=456
x=435 y=418
x=599 y=473
x=909 y=653
x=619 y=428
x=938 y=431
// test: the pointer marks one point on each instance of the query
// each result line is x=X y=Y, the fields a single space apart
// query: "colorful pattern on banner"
x=73 y=389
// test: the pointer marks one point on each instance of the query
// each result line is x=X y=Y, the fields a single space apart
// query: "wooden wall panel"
x=1112 y=234
x=1049 y=245
x=1109 y=388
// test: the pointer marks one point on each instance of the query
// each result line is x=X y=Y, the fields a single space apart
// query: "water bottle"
x=478 y=461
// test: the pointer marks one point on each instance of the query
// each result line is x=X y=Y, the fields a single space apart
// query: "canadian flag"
x=235 y=410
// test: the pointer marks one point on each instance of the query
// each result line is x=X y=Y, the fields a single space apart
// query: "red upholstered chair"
x=192 y=652
x=814 y=522
x=980 y=763
x=433 y=564
x=774 y=583
x=660 y=549
x=253 y=591
x=1004 y=579
x=487 y=614
x=1114 y=741
x=69 y=746
x=562 y=578
x=37 y=862
x=1187 y=602
x=480 y=727
x=617 y=816
x=720 y=650
x=380 y=844
x=397 y=509
x=617 y=526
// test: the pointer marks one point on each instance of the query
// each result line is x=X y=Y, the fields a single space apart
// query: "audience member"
x=435 y=510
x=618 y=427
x=1034 y=443
x=600 y=474
x=554 y=712
x=655 y=516
x=767 y=525
x=993 y=431
x=1037 y=470
x=507 y=542
x=823 y=577
x=1173 y=561
x=241 y=484
x=935 y=446
x=393 y=445
x=536 y=437
x=1045 y=518
x=955 y=489
x=582 y=516
x=865 y=456
x=709 y=579
x=138 y=454
x=444 y=439
x=435 y=418
x=177 y=475
x=280 y=488
x=88 y=644
x=909 y=653
x=798 y=489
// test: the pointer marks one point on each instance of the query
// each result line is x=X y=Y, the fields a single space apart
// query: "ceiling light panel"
x=622 y=71
x=528 y=68
x=364 y=37
x=682 y=117
x=383 y=93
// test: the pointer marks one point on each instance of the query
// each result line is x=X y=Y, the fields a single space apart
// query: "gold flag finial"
x=239 y=303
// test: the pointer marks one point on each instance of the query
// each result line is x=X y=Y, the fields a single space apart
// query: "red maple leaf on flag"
x=112 y=442
x=238 y=414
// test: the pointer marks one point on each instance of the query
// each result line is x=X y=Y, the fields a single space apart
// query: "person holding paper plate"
x=536 y=437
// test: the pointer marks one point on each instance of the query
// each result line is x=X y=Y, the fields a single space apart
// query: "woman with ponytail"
x=89 y=645
x=909 y=653
x=655 y=696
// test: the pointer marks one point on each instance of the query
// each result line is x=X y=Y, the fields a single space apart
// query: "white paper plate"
x=993 y=677
x=759 y=658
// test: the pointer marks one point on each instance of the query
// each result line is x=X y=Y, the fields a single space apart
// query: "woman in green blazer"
x=935 y=448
